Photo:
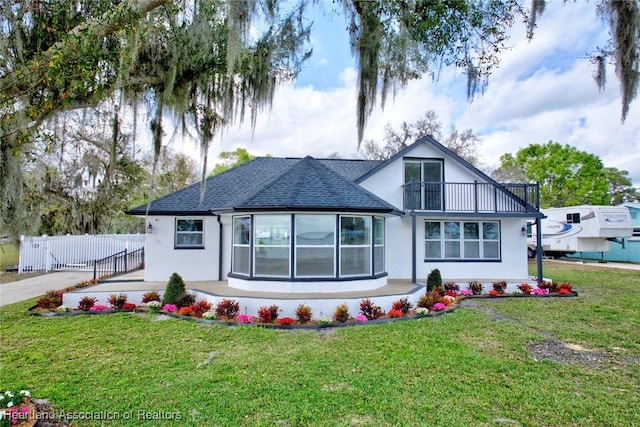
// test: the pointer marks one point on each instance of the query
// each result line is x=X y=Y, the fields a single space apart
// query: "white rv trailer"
x=582 y=228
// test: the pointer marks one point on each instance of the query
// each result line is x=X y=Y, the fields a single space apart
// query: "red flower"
x=185 y=311
x=395 y=313
x=451 y=293
x=285 y=321
x=494 y=293
x=128 y=306
x=564 y=291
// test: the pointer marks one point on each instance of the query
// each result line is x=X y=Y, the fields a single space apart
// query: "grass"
x=9 y=255
x=467 y=368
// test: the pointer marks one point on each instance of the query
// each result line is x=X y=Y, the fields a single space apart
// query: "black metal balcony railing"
x=476 y=197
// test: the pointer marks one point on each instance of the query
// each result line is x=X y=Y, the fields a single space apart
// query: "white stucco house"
x=332 y=225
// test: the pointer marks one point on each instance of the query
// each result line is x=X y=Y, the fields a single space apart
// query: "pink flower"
x=99 y=307
x=171 y=308
x=466 y=292
x=244 y=318
x=360 y=318
x=539 y=291
x=439 y=306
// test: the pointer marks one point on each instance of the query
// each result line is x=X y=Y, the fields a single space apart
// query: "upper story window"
x=189 y=233
x=426 y=191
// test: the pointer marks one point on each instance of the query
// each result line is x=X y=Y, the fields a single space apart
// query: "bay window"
x=308 y=246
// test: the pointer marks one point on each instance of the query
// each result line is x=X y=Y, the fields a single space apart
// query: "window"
x=307 y=246
x=271 y=245
x=378 y=245
x=467 y=240
x=573 y=218
x=426 y=192
x=355 y=245
x=189 y=233
x=241 y=259
x=315 y=245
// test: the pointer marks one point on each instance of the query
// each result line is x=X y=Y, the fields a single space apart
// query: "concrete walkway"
x=35 y=286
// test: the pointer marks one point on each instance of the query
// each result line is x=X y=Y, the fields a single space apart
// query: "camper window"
x=573 y=218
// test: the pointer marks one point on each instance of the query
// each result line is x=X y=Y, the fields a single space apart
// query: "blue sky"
x=542 y=91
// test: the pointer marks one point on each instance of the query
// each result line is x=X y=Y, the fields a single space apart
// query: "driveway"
x=35 y=286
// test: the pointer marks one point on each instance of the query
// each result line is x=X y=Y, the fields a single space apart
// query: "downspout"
x=539 y=247
x=219 y=248
x=414 y=278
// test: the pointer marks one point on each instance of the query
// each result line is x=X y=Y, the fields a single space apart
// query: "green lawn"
x=9 y=255
x=467 y=368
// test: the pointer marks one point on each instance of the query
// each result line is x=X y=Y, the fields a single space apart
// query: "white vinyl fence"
x=48 y=253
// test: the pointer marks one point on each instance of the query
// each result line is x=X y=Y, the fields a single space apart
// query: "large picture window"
x=241 y=260
x=355 y=245
x=315 y=245
x=189 y=233
x=468 y=240
x=272 y=235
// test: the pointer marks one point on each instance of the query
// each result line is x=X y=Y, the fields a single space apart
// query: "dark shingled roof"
x=271 y=183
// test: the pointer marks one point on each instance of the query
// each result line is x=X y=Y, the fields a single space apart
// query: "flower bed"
x=437 y=300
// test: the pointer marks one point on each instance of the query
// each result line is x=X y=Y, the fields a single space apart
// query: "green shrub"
x=341 y=314
x=174 y=290
x=434 y=280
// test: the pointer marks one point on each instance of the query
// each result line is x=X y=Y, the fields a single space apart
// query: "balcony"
x=471 y=197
